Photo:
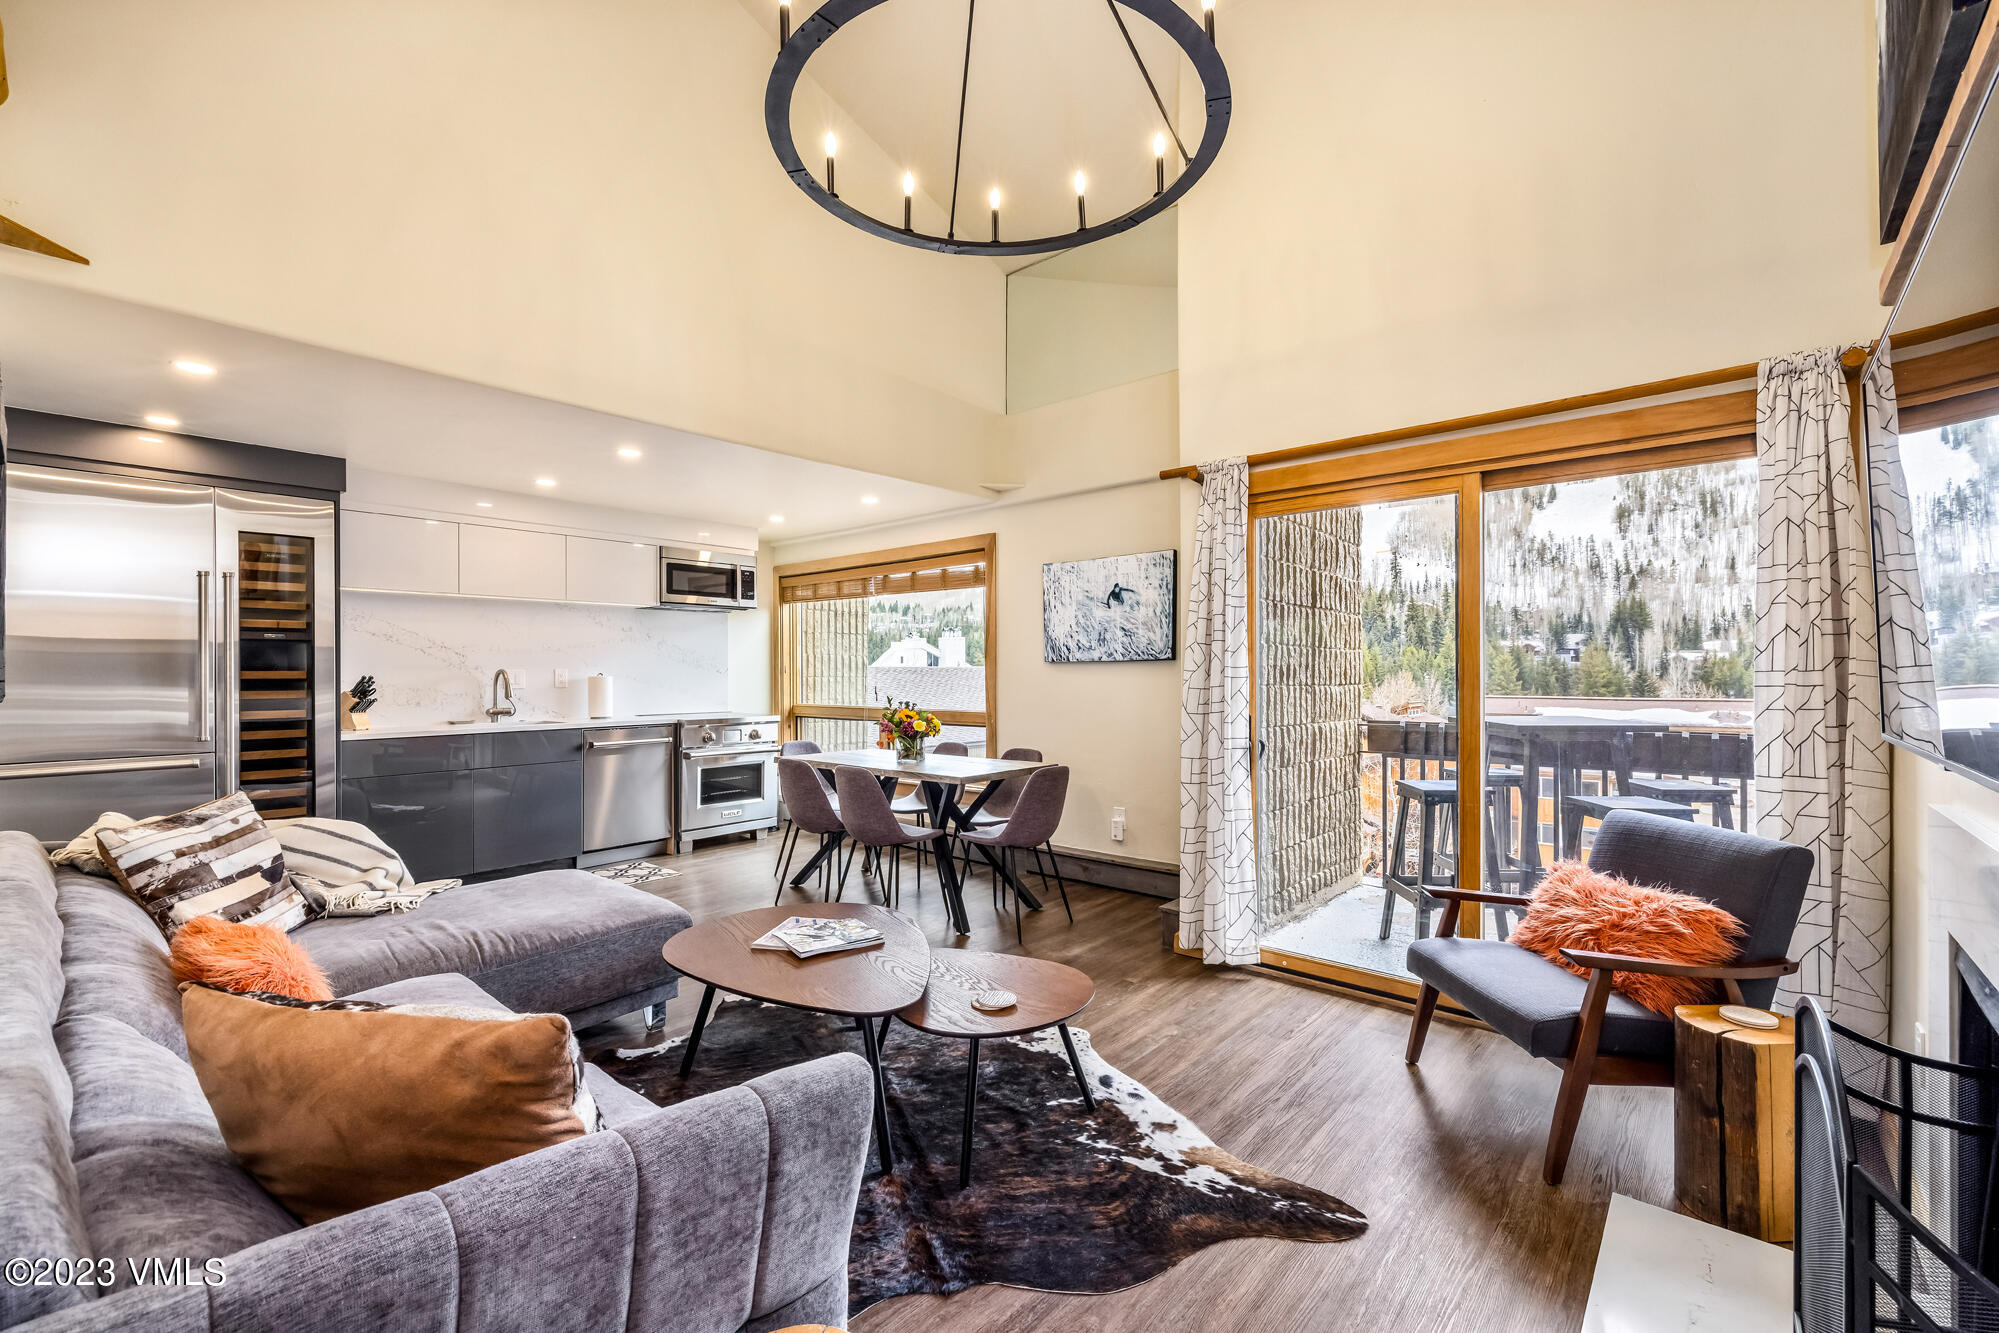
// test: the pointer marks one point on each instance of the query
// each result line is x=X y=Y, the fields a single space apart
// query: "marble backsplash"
x=433 y=658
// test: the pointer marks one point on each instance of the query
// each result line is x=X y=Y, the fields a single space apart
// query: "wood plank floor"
x=1309 y=1083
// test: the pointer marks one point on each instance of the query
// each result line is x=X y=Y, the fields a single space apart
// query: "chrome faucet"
x=503 y=704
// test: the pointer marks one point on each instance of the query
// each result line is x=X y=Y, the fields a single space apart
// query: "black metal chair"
x=1594 y=1034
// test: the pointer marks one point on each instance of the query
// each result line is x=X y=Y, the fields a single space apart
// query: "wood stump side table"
x=1732 y=1114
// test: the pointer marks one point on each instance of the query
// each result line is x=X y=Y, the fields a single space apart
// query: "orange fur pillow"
x=1579 y=908
x=237 y=956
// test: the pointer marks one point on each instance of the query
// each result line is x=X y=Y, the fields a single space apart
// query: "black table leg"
x=828 y=845
x=881 y=1038
x=947 y=875
x=971 y=1114
x=1089 y=1102
x=694 y=1037
x=881 y=1096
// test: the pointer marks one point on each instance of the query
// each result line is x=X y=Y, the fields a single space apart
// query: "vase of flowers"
x=906 y=727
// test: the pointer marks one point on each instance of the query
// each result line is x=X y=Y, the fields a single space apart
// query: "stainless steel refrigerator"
x=166 y=643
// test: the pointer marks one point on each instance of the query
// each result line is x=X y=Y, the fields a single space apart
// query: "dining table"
x=942 y=778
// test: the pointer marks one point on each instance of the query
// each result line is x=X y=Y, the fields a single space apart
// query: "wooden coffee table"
x=863 y=984
x=1048 y=995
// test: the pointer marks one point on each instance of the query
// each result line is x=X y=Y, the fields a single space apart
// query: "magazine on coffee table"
x=808 y=936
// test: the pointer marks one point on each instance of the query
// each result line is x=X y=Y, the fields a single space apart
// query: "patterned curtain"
x=1217 y=825
x=1908 y=679
x=1821 y=765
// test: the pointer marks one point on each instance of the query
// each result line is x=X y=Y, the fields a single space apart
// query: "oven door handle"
x=732 y=752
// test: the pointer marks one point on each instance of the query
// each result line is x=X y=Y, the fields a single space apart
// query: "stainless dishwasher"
x=627 y=793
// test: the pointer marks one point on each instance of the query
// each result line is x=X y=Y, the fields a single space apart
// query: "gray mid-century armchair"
x=1594 y=1034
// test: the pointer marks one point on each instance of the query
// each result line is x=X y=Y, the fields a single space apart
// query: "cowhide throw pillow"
x=214 y=859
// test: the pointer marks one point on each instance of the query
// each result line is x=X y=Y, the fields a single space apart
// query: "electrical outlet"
x=562 y=678
x=1117 y=823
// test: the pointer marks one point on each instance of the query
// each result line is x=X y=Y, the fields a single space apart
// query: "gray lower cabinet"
x=456 y=806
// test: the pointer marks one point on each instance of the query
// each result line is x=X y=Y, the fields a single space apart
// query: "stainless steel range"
x=727 y=777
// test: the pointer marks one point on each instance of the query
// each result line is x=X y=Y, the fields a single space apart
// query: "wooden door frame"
x=1724 y=432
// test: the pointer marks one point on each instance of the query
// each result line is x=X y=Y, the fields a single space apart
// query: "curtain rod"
x=1854 y=359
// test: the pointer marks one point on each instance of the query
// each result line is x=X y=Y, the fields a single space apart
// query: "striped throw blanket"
x=343 y=869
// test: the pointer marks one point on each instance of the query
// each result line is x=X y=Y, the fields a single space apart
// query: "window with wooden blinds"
x=883 y=583
x=831 y=663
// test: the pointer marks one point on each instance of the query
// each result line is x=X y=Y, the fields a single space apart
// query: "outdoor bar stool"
x=1502 y=863
x=1436 y=800
x=1577 y=808
x=1719 y=799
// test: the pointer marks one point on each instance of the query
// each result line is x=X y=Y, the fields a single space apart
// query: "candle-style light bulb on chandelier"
x=1196 y=40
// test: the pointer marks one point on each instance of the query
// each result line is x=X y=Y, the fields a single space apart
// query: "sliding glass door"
x=1618 y=614
x=1614 y=601
x=1356 y=721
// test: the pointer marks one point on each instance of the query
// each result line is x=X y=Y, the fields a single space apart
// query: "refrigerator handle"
x=207 y=694
x=227 y=761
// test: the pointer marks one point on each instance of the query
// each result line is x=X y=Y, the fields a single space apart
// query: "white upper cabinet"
x=390 y=553
x=620 y=573
x=511 y=562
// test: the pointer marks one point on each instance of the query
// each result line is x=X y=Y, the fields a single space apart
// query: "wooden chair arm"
x=1618 y=962
x=1519 y=900
x=1455 y=899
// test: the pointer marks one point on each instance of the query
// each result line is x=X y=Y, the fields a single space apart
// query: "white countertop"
x=530 y=724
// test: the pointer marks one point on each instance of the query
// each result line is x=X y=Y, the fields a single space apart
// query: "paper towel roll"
x=600 y=695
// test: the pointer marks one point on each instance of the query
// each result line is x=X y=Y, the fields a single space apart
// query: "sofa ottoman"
x=555 y=941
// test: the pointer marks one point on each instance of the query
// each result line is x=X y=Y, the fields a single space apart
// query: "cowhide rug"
x=1061 y=1200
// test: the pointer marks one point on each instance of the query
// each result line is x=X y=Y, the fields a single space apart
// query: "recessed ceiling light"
x=630 y=451
x=150 y=439
x=484 y=504
x=701 y=534
x=163 y=421
x=777 y=518
x=544 y=481
x=431 y=521
x=705 y=555
x=187 y=367
x=870 y=499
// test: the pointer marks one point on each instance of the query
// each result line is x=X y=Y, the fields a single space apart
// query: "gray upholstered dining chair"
x=812 y=810
x=787 y=833
x=1000 y=807
x=1036 y=813
x=1594 y=1034
x=871 y=823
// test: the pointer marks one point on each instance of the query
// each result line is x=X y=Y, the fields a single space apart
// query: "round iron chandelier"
x=1195 y=40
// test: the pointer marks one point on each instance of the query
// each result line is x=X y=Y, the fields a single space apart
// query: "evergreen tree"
x=1502 y=670
x=1598 y=675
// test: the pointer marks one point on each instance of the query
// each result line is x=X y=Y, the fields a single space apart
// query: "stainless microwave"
x=717 y=580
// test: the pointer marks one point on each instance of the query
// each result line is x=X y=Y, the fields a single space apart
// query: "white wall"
x=1427 y=211
x=576 y=201
x=1115 y=724
x=1066 y=338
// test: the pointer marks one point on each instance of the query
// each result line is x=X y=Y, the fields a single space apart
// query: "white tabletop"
x=951 y=770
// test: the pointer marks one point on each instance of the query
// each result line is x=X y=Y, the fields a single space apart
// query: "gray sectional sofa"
x=731 y=1211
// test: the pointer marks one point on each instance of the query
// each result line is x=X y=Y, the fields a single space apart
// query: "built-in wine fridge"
x=279 y=652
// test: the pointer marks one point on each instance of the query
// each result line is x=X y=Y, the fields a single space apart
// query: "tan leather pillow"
x=337 y=1106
